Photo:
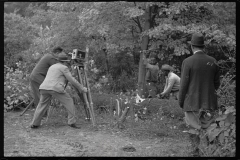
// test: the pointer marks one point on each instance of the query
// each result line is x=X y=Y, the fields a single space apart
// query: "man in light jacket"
x=172 y=81
x=54 y=86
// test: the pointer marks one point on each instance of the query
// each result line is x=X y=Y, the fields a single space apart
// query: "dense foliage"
x=118 y=33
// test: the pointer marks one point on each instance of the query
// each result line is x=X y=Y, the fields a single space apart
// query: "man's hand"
x=85 y=90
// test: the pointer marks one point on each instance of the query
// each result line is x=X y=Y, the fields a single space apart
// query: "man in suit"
x=199 y=81
x=172 y=82
x=40 y=70
x=54 y=86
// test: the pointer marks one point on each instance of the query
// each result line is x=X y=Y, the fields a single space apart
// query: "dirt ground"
x=55 y=138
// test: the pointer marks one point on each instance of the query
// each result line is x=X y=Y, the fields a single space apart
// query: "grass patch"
x=167 y=120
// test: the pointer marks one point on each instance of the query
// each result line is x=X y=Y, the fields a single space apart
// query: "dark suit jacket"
x=199 y=80
x=152 y=73
x=40 y=71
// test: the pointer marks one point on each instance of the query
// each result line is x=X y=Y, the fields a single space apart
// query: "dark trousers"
x=152 y=89
x=35 y=91
x=174 y=94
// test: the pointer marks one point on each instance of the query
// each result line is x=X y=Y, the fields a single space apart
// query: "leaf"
x=222 y=117
x=230 y=109
x=221 y=138
x=212 y=135
x=221 y=124
x=230 y=118
x=211 y=127
x=227 y=124
x=226 y=133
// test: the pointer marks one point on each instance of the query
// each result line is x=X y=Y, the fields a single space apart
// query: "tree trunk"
x=144 y=46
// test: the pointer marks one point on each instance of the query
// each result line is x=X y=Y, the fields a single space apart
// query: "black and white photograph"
x=119 y=79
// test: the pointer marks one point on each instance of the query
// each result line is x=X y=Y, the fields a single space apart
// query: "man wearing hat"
x=199 y=81
x=40 y=70
x=172 y=81
x=151 y=76
x=54 y=86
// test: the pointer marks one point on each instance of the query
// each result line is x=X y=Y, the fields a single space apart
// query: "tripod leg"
x=87 y=112
x=89 y=98
x=86 y=107
x=30 y=104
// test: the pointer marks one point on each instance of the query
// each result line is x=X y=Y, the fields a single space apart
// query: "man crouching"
x=54 y=85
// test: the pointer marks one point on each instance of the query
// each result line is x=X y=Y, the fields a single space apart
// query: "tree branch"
x=137 y=20
x=138 y=23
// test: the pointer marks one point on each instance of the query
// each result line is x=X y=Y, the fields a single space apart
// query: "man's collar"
x=197 y=51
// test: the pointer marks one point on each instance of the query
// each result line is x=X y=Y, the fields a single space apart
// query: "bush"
x=227 y=90
x=16 y=87
x=220 y=138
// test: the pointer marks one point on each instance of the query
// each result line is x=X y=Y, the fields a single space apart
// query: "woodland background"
x=118 y=34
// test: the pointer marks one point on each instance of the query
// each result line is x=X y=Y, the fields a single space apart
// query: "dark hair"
x=57 y=50
x=198 y=47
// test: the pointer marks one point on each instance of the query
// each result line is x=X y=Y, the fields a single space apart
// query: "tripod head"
x=78 y=57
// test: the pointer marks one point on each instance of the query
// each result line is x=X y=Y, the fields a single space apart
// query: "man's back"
x=152 y=74
x=55 y=78
x=176 y=81
x=199 y=80
x=203 y=70
x=39 y=72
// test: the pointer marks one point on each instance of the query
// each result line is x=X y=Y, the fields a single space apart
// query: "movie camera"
x=78 y=57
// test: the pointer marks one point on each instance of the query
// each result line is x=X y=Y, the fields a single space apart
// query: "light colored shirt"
x=172 y=83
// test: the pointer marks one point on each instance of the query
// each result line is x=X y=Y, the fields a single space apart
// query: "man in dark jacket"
x=199 y=81
x=40 y=71
x=151 y=76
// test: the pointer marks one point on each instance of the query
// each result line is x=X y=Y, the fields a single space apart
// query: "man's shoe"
x=74 y=126
x=34 y=127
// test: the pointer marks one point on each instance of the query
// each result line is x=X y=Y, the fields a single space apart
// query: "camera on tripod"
x=78 y=57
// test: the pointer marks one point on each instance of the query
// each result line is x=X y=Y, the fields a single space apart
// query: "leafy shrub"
x=227 y=90
x=220 y=138
x=16 y=87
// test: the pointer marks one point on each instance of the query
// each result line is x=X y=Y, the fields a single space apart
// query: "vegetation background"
x=118 y=34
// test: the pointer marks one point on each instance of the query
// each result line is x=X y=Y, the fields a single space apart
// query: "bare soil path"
x=55 y=138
